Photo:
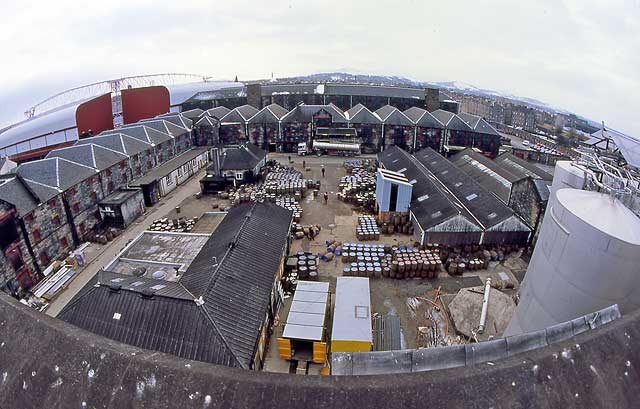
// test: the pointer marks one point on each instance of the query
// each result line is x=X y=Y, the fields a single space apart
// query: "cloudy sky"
x=580 y=55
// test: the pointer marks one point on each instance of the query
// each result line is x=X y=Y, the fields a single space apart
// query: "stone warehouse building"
x=49 y=206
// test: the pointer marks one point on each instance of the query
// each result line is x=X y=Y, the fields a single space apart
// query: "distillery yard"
x=406 y=312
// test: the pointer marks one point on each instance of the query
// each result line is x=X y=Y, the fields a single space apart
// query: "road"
x=108 y=252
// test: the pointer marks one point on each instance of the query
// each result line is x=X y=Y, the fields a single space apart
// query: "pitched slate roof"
x=217 y=112
x=46 y=176
x=486 y=207
x=233 y=273
x=145 y=132
x=305 y=113
x=360 y=114
x=393 y=116
x=176 y=118
x=432 y=206
x=489 y=174
x=7 y=166
x=239 y=115
x=478 y=124
x=170 y=324
x=271 y=114
x=521 y=167
x=14 y=192
x=242 y=157
x=90 y=154
x=163 y=126
x=208 y=121
x=451 y=120
x=118 y=142
x=423 y=118
x=193 y=114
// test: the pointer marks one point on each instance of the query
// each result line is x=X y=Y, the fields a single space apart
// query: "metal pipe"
x=485 y=306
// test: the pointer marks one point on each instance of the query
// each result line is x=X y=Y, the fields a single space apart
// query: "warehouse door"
x=393 y=200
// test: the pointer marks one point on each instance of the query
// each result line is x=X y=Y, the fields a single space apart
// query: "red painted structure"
x=95 y=115
x=143 y=103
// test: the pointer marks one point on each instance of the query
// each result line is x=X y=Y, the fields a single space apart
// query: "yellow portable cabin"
x=352 y=316
x=304 y=330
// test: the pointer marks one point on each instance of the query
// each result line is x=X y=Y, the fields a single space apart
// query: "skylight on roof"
x=458 y=184
x=117 y=280
x=413 y=181
x=444 y=172
x=436 y=214
x=423 y=198
x=394 y=161
x=402 y=170
x=158 y=287
x=492 y=215
x=471 y=196
x=137 y=283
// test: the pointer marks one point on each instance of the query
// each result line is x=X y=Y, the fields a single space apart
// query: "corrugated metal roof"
x=306 y=319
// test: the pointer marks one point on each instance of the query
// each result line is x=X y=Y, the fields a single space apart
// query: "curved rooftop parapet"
x=45 y=362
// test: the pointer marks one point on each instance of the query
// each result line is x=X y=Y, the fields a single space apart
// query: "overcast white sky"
x=580 y=55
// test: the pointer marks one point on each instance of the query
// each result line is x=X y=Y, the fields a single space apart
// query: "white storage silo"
x=587 y=258
x=566 y=175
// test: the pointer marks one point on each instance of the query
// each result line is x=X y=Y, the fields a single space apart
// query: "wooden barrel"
x=453 y=268
x=386 y=271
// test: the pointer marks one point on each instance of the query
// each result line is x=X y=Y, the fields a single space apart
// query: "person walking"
x=322 y=169
x=326 y=197
x=312 y=234
x=304 y=164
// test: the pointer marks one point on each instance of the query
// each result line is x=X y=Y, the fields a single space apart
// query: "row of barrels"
x=307 y=266
x=457 y=266
x=367 y=229
x=415 y=263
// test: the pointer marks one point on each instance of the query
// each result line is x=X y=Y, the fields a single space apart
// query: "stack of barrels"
x=307 y=267
x=395 y=223
x=367 y=228
x=457 y=260
x=292 y=204
x=366 y=260
x=410 y=262
x=358 y=188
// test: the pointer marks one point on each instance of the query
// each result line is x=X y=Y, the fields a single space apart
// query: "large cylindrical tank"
x=566 y=175
x=587 y=258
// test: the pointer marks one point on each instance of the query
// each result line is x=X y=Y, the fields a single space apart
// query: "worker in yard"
x=289 y=157
x=304 y=164
x=312 y=233
x=326 y=195
x=322 y=169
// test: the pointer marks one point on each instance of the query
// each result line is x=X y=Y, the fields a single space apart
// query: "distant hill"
x=392 y=80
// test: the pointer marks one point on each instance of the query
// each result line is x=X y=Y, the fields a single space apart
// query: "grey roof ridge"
x=28 y=188
x=42 y=184
x=221 y=335
x=214 y=278
x=440 y=186
x=443 y=186
x=75 y=163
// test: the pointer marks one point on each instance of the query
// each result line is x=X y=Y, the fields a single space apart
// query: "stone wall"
x=165 y=152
